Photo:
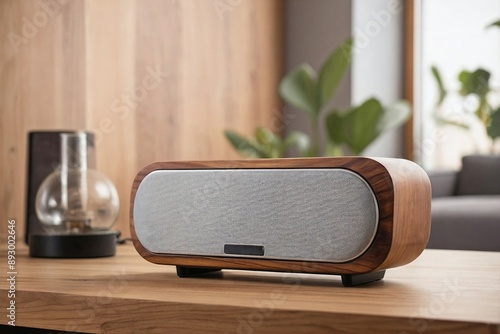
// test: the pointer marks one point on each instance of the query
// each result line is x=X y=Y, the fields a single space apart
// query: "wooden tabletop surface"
x=441 y=292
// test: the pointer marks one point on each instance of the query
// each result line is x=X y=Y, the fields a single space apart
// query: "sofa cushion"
x=480 y=175
x=465 y=222
x=443 y=182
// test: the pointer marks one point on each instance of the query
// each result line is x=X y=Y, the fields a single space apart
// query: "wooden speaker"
x=351 y=216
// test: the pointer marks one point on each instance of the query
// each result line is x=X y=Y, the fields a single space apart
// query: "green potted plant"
x=477 y=84
x=349 y=131
x=472 y=83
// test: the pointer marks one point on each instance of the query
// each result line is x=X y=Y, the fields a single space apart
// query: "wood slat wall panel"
x=42 y=83
x=78 y=69
x=110 y=61
x=205 y=56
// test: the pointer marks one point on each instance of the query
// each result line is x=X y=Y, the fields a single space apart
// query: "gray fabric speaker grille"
x=308 y=214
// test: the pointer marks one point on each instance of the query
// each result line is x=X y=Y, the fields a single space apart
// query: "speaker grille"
x=301 y=214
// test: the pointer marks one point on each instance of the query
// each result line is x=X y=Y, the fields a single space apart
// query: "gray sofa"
x=466 y=206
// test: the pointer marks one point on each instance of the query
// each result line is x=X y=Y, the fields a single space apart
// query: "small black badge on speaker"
x=244 y=249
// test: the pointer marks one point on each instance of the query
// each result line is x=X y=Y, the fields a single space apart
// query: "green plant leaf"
x=439 y=81
x=333 y=71
x=493 y=128
x=494 y=24
x=298 y=88
x=361 y=125
x=270 y=142
x=476 y=82
x=335 y=131
x=300 y=140
x=444 y=121
x=265 y=137
x=357 y=127
x=334 y=127
x=244 y=146
x=395 y=114
x=333 y=150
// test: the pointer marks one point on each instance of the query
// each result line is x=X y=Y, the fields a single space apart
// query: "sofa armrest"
x=443 y=182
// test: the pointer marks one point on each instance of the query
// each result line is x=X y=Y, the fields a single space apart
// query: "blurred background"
x=454 y=36
x=161 y=79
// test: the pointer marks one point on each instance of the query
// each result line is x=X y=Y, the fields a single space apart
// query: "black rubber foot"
x=192 y=271
x=358 y=279
x=347 y=280
x=84 y=245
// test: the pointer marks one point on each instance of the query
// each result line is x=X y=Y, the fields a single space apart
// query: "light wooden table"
x=441 y=292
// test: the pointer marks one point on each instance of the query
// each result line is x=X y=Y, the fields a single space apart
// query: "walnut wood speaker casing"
x=349 y=216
